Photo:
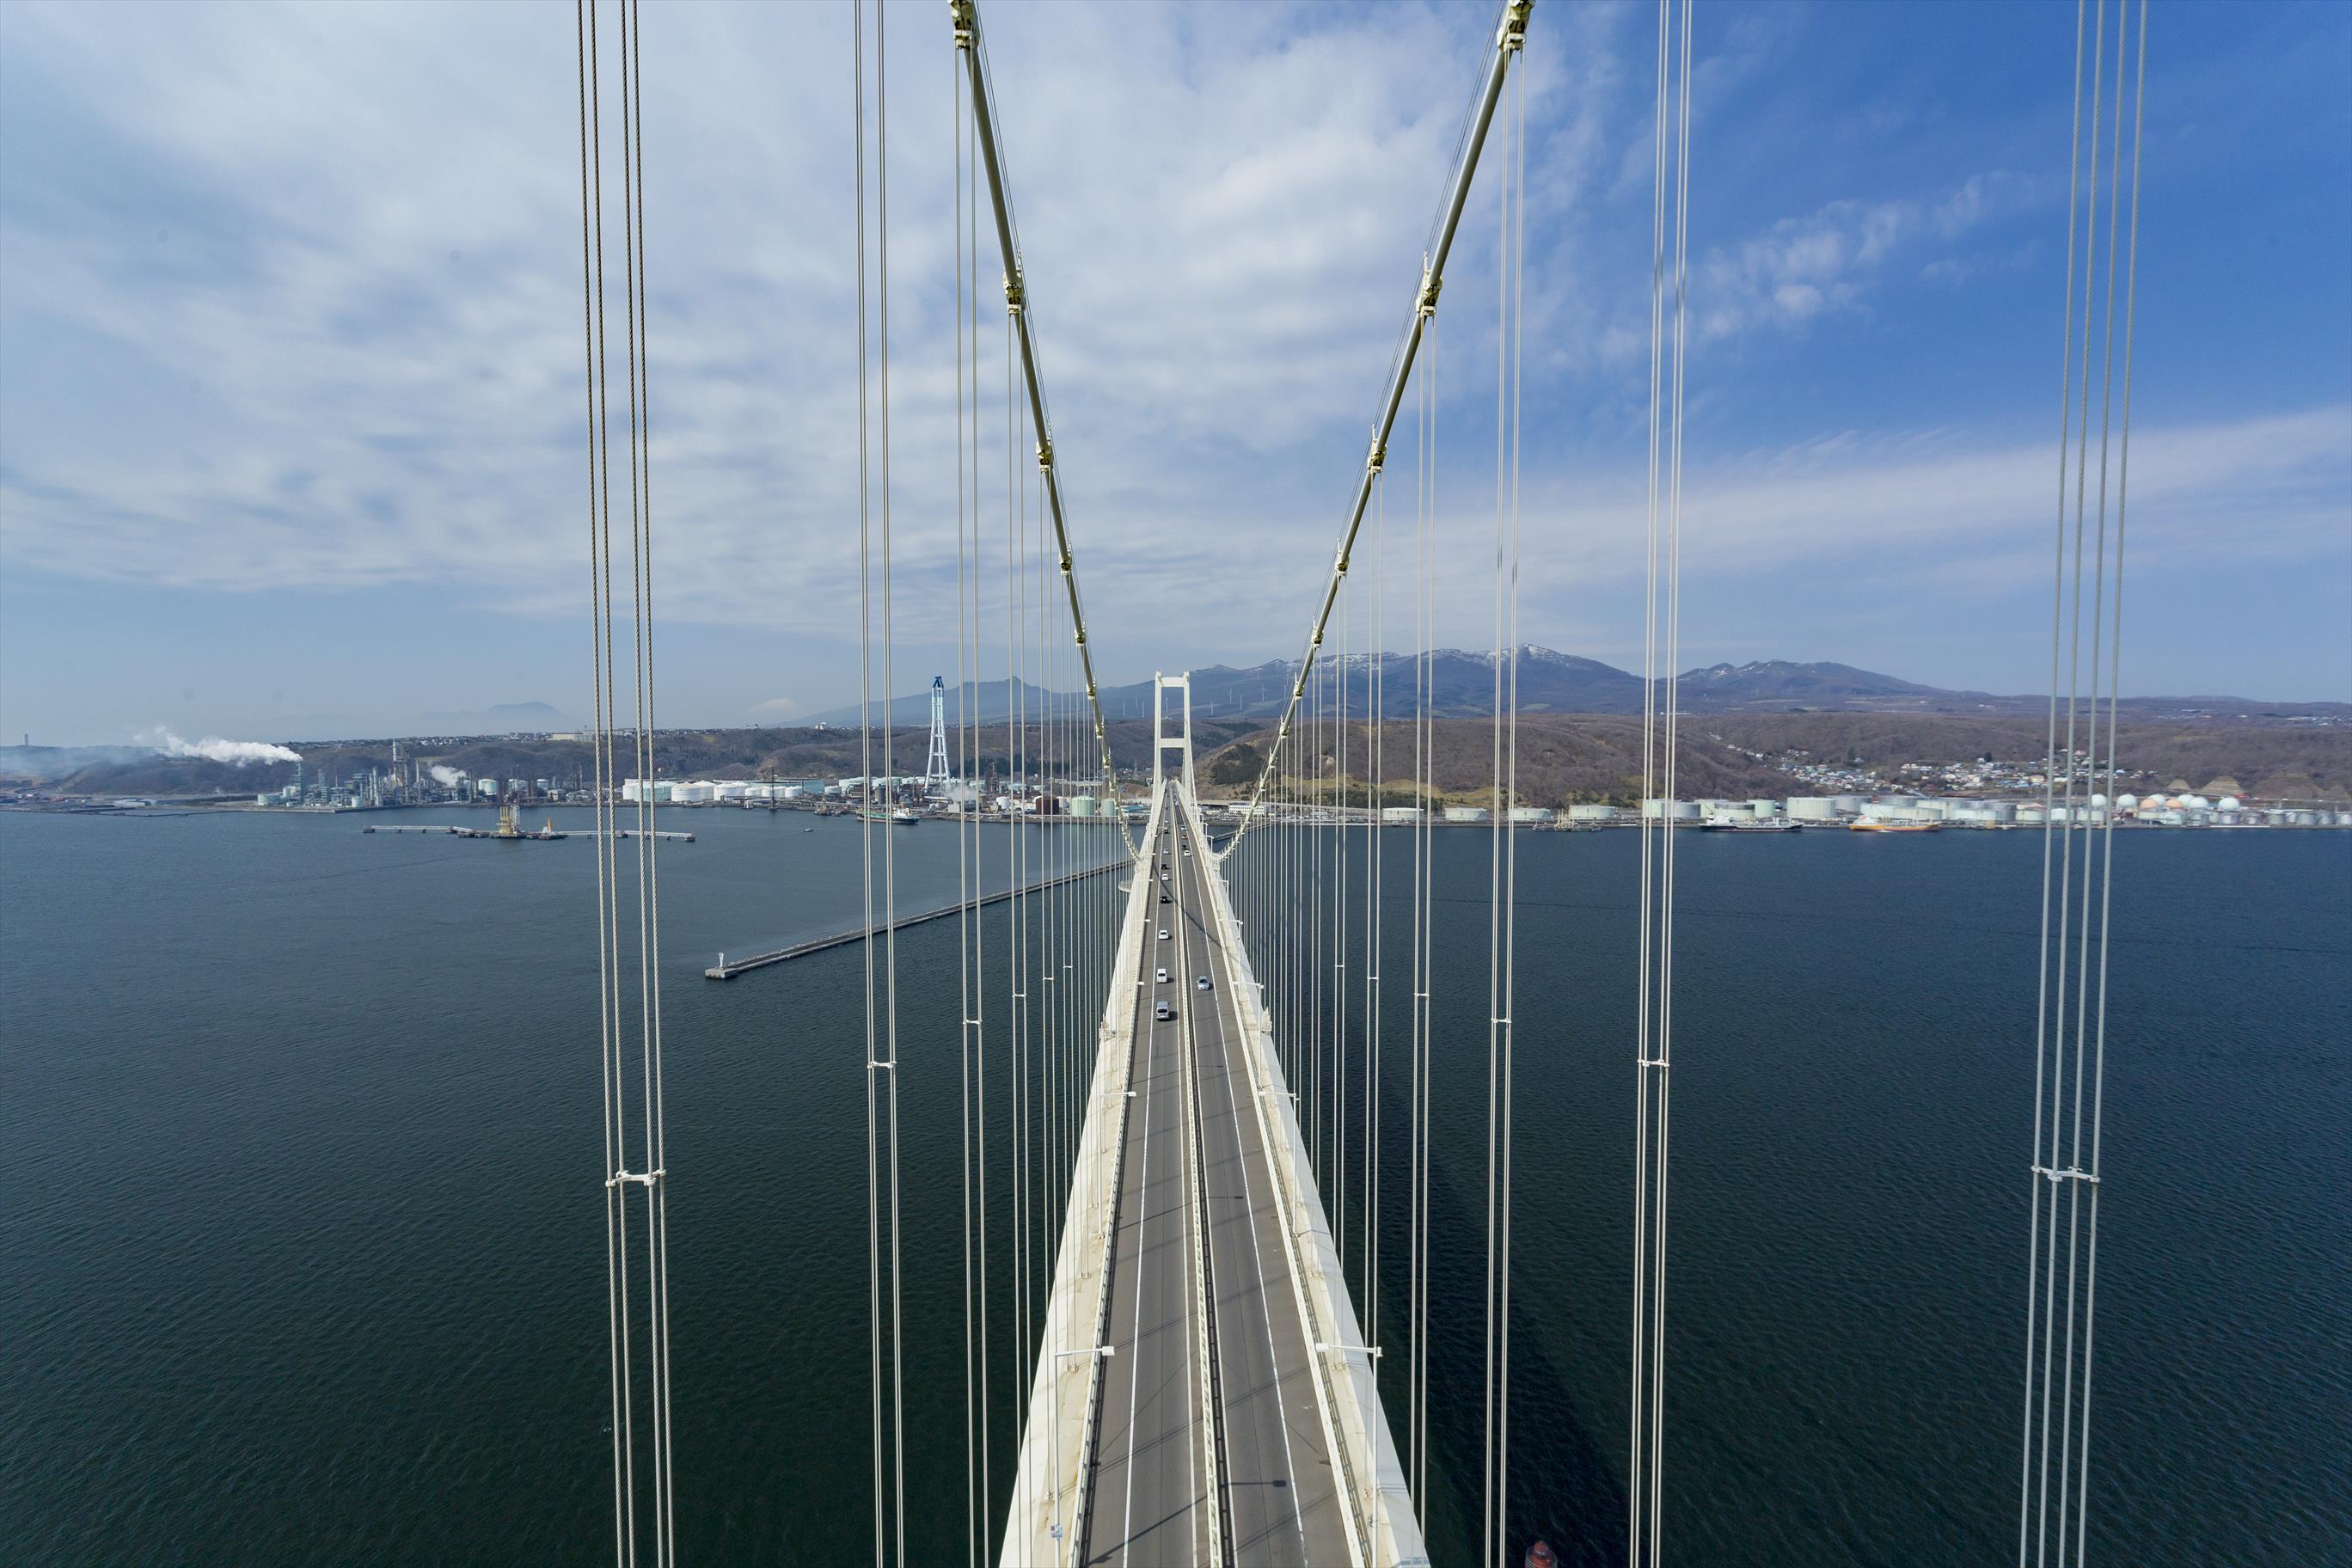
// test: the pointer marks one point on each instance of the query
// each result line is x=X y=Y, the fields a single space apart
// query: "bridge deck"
x=1151 y=1465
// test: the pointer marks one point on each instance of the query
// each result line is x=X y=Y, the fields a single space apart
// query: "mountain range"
x=1462 y=686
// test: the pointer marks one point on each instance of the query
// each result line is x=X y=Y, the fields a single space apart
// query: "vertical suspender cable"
x=2060 y=809
x=2107 y=828
x=2068 y=1093
x=891 y=770
x=613 y=1030
x=974 y=1432
x=1660 y=721
x=608 y=981
x=1503 y=870
x=641 y=488
x=865 y=814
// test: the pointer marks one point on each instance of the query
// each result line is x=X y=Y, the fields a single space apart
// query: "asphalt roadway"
x=1153 y=1463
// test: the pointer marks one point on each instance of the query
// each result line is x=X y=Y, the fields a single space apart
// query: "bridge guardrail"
x=1378 y=1508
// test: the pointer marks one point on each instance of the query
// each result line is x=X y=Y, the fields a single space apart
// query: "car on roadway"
x=1164 y=1012
x=1166 y=899
x=1163 y=976
x=1200 y=982
x=1163 y=933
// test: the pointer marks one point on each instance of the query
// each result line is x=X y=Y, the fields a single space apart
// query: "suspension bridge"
x=1180 y=1082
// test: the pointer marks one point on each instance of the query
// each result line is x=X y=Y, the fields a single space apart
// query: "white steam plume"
x=213 y=748
x=447 y=778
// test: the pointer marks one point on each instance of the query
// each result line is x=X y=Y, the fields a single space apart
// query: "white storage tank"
x=1593 y=813
x=1811 y=808
x=1846 y=805
x=1763 y=809
x=1530 y=814
x=1401 y=814
x=1081 y=806
x=1466 y=814
x=1672 y=810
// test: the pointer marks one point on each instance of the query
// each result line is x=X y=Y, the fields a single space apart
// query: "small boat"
x=1872 y=824
x=808 y=830
x=903 y=818
x=1541 y=1555
x=1723 y=821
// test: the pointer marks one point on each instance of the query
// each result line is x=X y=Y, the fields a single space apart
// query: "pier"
x=723 y=970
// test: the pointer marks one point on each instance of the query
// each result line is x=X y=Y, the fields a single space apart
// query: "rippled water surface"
x=303 y=1260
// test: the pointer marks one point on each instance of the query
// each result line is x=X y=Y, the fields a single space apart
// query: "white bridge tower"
x=1163 y=742
x=937 y=780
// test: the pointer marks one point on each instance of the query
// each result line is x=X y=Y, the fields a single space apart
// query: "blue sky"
x=289 y=429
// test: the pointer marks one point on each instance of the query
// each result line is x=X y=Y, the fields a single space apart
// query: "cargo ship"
x=1727 y=824
x=1868 y=824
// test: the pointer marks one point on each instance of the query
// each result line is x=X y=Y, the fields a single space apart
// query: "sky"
x=292 y=426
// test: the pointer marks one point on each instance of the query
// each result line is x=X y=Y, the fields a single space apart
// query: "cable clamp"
x=1379 y=454
x=1046 y=466
x=642 y=1178
x=1426 y=306
x=960 y=13
x=875 y=1064
x=2071 y=1173
x=1015 y=297
x=1514 y=33
x=1651 y=1062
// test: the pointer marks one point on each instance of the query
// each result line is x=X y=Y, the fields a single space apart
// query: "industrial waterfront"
x=361 y=1321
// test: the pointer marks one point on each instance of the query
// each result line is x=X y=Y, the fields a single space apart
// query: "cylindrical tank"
x=2229 y=803
x=1466 y=814
x=1530 y=814
x=1082 y=805
x=1593 y=813
x=1812 y=808
x=1847 y=804
x=1672 y=810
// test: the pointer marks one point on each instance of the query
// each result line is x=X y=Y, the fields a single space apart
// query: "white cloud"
x=353 y=355
x=1799 y=269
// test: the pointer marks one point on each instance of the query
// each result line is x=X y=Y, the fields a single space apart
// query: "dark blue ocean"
x=303 y=1261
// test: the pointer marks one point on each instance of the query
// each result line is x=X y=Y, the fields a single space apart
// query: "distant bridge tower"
x=937 y=780
x=1162 y=742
